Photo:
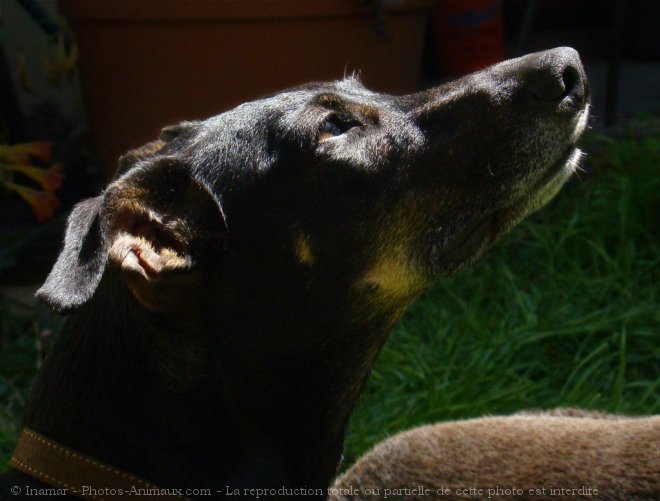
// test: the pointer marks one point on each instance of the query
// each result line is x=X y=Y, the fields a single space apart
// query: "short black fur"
x=314 y=241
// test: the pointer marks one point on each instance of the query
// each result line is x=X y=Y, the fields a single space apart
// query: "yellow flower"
x=43 y=203
x=50 y=179
x=21 y=153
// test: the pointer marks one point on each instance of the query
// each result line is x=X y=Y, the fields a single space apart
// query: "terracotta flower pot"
x=151 y=63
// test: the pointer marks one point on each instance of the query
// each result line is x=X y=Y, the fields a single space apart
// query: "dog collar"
x=80 y=475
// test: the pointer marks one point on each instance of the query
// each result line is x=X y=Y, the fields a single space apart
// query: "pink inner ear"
x=146 y=265
x=147 y=271
x=136 y=255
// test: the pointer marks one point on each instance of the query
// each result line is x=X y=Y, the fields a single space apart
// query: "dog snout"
x=555 y=78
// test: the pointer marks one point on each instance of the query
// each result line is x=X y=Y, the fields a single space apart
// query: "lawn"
x=564 y=311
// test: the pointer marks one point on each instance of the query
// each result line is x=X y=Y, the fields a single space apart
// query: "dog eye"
x=333 y=127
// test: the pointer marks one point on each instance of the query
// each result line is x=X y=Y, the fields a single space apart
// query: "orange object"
x=21 y=153
x=42 y=203
x=468 y=35
x=152 y=63
x=49 y=179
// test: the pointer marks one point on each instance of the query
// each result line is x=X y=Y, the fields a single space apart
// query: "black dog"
x=231 y=288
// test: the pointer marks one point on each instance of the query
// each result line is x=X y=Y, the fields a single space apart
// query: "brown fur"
x=608 y=457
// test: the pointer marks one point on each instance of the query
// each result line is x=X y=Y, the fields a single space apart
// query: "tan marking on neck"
x=392 y=279
x=392 y=276
x=303 y=249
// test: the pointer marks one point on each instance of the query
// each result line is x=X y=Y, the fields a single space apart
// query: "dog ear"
x=162 y=222
x=132 y=157
x=80 y=266
x=167 y=135
x=154 y=224
x=182 y=129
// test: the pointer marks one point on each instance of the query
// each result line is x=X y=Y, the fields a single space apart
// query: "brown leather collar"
x=79 y=475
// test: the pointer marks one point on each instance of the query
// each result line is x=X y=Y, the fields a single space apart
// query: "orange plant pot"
x=151 y=63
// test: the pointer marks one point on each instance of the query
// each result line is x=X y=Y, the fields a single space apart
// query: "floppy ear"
x=80 y=265
x=154 y=225
x=132 y=157
x=162 y=223
x=167 y=135
x=182 y=129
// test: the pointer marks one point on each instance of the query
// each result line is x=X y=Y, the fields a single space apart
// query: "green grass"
x=564 y=311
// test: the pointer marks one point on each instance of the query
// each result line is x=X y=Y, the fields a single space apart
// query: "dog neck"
x=155 y=399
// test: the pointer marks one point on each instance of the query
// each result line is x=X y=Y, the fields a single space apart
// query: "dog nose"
x=557 y=76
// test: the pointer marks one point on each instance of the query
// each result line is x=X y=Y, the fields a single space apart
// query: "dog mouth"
x=565 y=166
x=449 y=254
x=468 y=244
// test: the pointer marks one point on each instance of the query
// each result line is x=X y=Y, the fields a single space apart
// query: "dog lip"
x=556 y=167
x=565 y=157
x=503 y=217
x=469 y=242
x=465 y=244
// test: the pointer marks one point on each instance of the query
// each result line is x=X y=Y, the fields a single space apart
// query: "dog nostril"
x=553 y=79
x=570 y=79
x=546 y=87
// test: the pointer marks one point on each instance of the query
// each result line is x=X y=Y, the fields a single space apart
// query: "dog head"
x=330 y=191
x=251 y=265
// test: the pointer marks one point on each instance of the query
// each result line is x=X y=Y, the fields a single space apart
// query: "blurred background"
x=563 y=312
